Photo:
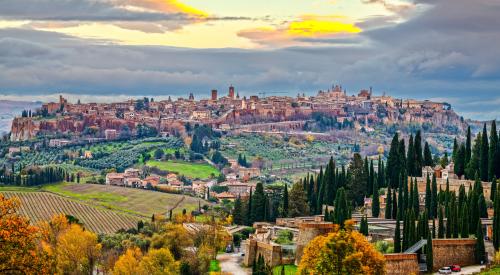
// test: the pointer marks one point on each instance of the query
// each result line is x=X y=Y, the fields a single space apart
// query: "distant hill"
x=10 y=108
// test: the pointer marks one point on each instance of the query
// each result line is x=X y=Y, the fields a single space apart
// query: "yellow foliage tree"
x=310 y=138
x=128 y=263
x=77 y=251
x=343 y=251
x=20 y=250
x=174 y=237
x=159 y=262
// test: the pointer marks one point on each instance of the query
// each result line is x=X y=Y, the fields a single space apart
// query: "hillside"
x=40 y=206
x=135 y=201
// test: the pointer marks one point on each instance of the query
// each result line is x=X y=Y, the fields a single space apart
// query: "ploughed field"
x=140 y=202
x=40 y=206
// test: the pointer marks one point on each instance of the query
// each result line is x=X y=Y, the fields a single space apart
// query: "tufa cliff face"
x=24 y=128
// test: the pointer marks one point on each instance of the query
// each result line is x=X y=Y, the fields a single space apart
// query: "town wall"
x=307 y=232
x=400 y=263
x=270 y=252
x=447 y=252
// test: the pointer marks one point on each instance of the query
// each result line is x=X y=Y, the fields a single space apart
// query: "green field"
x=493 y=271
x=289 y=270
x=128 y=200
x=214 y=266
x=42 y=206
x=188 y=169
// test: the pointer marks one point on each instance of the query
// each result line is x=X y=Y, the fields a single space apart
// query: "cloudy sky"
x=446 y=50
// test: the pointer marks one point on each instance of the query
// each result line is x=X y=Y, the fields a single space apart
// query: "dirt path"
x=230 y=263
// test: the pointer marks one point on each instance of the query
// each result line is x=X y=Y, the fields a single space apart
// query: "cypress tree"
x=237 y=212
x=380 y=173
x=449 y=221
x=394 y=204
x=341 y=209
x=465 y=221
x=259 y=203
x=468 y=146
x=250 y=215
x=331 y=184
x=363 y=228
x=440 y=224
x=456 y=227
x=388 y=204
x=404 y=180
x=371 y=179
x=321 y=195
x=402 y=155
x=285 y=201
x=410 y=157
x=428 y=161
x=484 y=155
x=493 y=150
x=366 y=176
x=416 y=197
x=496 y=222
x=428 y=196
x=375 y=201
x=418 y=154
x=493 y=188
x=393 y=162
x=406 y=231
x=480 y=250
x=397 y=236
x=429 y=255
x=434 y=198
x=460 y=163
x=482 y=208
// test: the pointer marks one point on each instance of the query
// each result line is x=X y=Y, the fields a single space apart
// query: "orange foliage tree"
x=343 y=251
x=20 y=250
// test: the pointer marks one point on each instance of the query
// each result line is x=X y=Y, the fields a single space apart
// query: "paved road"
x=230 y=263
x=468 y=270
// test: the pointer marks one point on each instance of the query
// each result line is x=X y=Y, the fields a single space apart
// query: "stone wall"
x=396 y=264
x=307 y=232
x=271 y=252
x=453 y=251
x=454 y=185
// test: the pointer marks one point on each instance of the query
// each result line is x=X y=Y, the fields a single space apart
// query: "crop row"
x=40 y=206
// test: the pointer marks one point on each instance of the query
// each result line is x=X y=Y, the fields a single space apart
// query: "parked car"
x=445 y=270
x=455 y=268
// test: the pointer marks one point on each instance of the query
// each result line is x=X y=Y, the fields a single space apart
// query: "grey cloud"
x=424 y=57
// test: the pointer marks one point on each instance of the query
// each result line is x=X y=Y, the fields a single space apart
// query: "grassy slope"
x=137 y=201
x=493 y=271
x=289 y=270
x=190 y=170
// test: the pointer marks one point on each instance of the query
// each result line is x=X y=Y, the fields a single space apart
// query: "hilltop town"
x=362 y=111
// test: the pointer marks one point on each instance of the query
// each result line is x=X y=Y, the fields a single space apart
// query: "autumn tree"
x=128 y=263
x=19 y=242
x=344 y=251
x=159 y=262
x=174 y=237
x=77 y=250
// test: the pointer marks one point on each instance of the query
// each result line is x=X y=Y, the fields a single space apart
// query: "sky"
x=103 y=50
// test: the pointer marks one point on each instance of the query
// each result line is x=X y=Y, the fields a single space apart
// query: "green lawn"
x=188 y=169
x=214 y=266
x=289 y=270
x=493 y=271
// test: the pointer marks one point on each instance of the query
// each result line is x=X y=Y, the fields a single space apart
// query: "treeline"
x=482 y=157
x=35 y=176
x=457 y=216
